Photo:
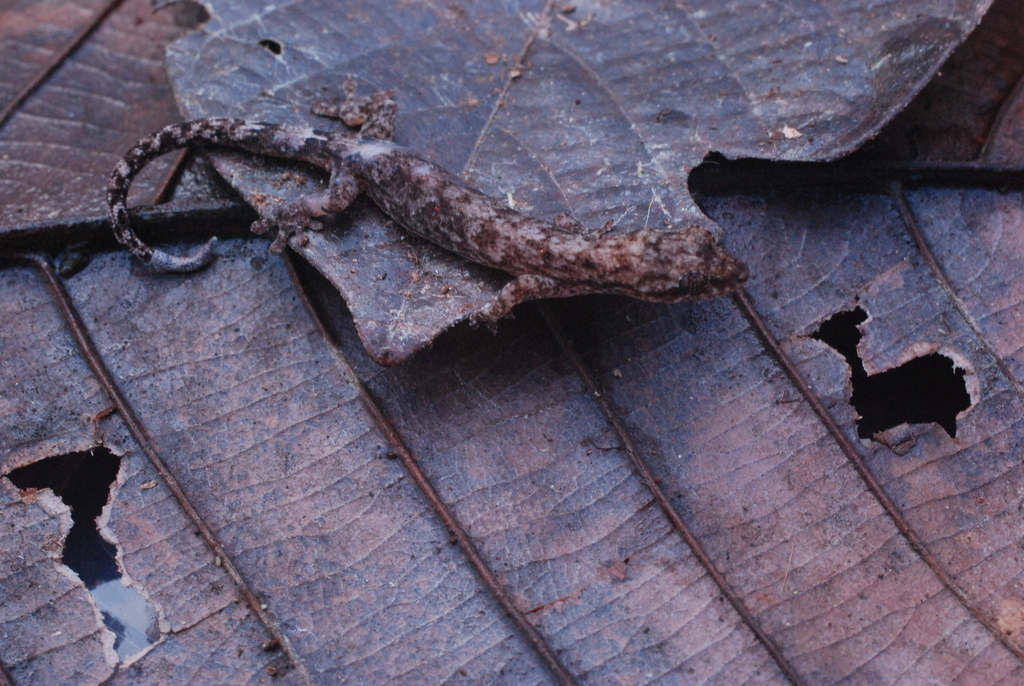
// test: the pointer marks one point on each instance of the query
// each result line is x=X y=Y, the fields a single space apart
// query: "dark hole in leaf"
x=73 y=259
x=82 y=480
x=272 y=45
x=924 y=390
x=188 y=14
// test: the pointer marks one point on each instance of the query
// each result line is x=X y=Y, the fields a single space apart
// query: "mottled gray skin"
x=428 y=201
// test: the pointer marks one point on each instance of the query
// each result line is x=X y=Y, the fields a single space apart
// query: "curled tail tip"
x=164 y=262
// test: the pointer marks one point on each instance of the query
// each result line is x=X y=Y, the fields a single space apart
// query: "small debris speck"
x=841 y=60
x=790 y=133
x=617 y=571
x=492 y=58
x=148 y=485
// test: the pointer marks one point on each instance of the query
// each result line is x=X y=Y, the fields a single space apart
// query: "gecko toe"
x=490 y=315
x=262 y=227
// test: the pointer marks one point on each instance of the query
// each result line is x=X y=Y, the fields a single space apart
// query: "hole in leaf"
x=273 y=46
x=83 y=480
x=189 y=14
x=927 y=389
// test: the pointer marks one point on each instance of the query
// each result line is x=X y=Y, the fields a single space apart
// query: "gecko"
x=548 y=259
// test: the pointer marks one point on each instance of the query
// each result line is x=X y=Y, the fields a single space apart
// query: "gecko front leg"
x=521 y=289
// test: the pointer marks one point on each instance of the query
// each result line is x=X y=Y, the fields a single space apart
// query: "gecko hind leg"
x=295 y=218
x=567 y=222
x=373 y=115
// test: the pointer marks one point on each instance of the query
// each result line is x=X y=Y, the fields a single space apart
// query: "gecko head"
x=686 y=264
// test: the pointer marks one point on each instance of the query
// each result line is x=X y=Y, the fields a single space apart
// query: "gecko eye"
x=692 y=284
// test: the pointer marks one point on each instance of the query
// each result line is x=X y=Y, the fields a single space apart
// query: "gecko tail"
x=165 y=262
x=173 y=137
x=289 y=142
